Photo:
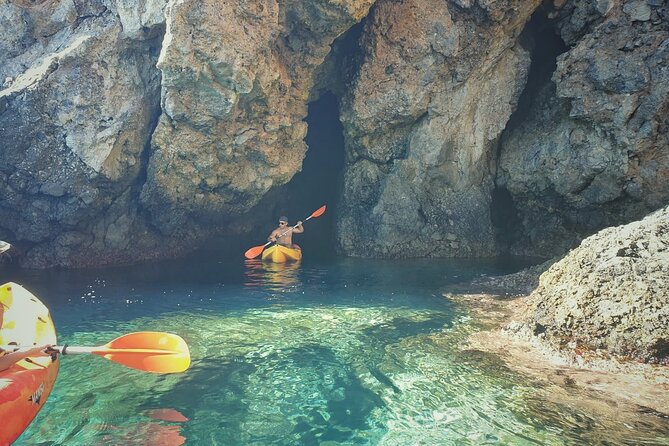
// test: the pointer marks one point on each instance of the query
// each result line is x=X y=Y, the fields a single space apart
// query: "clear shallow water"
x=335 y=352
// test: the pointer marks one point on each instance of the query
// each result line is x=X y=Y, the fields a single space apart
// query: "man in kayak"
x=283 y=235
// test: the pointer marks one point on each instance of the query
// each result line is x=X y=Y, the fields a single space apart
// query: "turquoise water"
x=334 y=352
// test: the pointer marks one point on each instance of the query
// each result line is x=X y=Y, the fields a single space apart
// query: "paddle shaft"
x=99 y=350
x=148 y=351
x=102 y=350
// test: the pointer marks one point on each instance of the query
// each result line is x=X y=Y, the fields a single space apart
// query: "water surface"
x=332 y=352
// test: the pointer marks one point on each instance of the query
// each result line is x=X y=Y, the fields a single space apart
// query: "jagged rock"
x=87 y=181
x=593 y=150
x=236 y=79
x=610 y=293
x=136 y=129
x=73 y=126
x=433 y=94
x=638 y=10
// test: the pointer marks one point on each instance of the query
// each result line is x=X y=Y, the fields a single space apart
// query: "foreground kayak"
x=25 y=386
x=281 y=254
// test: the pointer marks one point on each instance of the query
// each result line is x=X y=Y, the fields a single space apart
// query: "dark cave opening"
x=540 y=36
x=319 y=182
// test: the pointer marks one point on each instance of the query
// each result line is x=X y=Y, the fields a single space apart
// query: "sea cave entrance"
x=319 y=182
x=541 y=37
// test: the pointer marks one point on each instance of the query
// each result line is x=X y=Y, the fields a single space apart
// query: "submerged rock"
x=610 y=293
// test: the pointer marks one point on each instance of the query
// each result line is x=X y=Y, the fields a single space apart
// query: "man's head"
x=283 y=220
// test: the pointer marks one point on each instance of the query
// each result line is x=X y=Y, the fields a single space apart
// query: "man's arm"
x=298 y=228
x=12 y=358
x=273 y=235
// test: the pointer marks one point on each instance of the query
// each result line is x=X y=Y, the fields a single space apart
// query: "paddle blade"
x=254 y=252
x=318 y=212
x=150 y=351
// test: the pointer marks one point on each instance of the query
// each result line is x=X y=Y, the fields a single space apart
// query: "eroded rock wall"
x=236 y=79
x=138 y=129
x=593 y=150
x=134 y=130
x=79 y=97
x=435 y=89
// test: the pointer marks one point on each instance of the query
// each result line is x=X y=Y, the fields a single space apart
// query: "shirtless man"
x=287 y=239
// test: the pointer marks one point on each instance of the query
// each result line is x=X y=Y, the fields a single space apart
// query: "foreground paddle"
x=254 y=252
x=149 y=351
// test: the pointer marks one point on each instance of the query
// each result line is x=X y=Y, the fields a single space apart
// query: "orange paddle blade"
x=318 y=212
x=150 y=351
x=254 y=252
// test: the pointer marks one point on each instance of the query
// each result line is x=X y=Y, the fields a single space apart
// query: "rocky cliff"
x=133 y=130
x=436 y=86
x=80 y=98
x=592 y=149
x=235 y=86
x=439 y=165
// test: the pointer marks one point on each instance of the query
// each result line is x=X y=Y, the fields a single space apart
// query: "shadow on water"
x=295 y=396
x=290 y=390
x=211 y=396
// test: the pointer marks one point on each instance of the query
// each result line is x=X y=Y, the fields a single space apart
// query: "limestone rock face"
x=137 y=129
x=236 y=79
x=130 y=129
x=77 y=103
x=610 y=293
x=593 y=151
x=436 y=86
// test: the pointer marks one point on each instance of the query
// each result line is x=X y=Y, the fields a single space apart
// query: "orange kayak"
x=281 y=254
x=25 y=386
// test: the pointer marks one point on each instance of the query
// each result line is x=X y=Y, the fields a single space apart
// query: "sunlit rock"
x=610 y=293
x=422 y=119
x=236 y=79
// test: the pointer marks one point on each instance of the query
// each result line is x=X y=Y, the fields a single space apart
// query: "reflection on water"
x=277 y=277
x=357 y=352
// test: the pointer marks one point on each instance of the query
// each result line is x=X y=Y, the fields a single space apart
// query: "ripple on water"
x=314 y=375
